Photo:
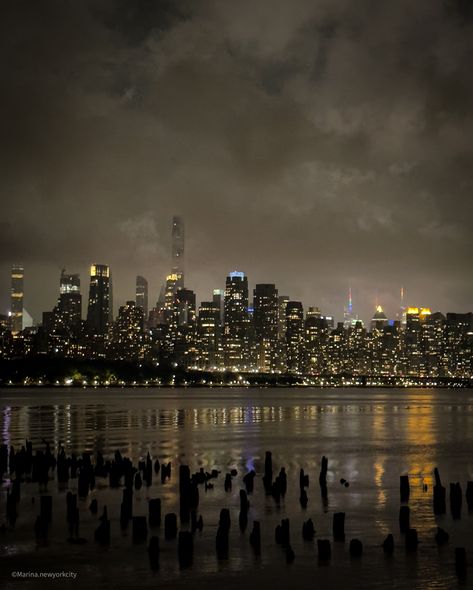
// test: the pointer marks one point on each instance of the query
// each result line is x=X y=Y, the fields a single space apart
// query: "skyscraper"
x=236 y=322
x=348 y=316
x=265 y=318
x=379 y=320
x=100 y=308
x=218 y=299
x=294 y=336
x=282 y=302
x=70 y=300
x=142 y=295
x=127 y=335
x=177 y=265
x=183 y=327
x=315 y=342
x=207 y=334
x=16 y=307
x=175 y=279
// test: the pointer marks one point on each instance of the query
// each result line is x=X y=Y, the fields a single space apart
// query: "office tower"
x=184 y=307
x=218 y=301
x=70 y=300
x=385 y=354
x=177 y=265
x=207 y=335
x=62 y=326
x=282 y=302
x=313 y=312
x=183 y=328
x=414 y=363
x=170 y=290
x=379 y=320
x=236 y=322
x=99 y=312
x=6 y=339
x=357 y=353
x=458 y=344
x=315 y=343
x=330 y=321
x=294 y=336
x=127 y=335
x=337 y=347
x=16 y=307
x=141 y=298
x=265 y=322
x=433 y=345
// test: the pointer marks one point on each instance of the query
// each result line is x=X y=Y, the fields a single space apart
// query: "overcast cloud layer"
x=314 y=144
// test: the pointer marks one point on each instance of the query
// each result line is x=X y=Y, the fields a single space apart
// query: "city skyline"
x=323 y=146
x=173 y=281
x=264 y=332
x=349 y=309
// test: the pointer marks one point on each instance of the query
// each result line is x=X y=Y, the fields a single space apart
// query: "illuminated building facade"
x=70 y=301
x=294 y=336
x=236 y=344
x=127 y=339
x=207 y=335
x=458 y=352
x=337 y=350
x=183 y=328
x=316 y=334
x=413 y=350
x=141 y=296
x=218 y=301
x=265 y=323
x=379 y=320
x=16 y=298
x=282 y=303
x=100 y=306
x=357 y=342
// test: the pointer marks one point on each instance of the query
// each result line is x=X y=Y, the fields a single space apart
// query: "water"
x=370 y=437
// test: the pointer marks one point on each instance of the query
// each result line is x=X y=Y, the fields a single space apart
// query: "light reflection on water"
x=371 y=437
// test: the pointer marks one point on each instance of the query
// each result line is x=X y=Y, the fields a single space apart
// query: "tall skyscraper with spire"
x=348 y=311
x=174 y=280
x=177 y=265
x=402 y=309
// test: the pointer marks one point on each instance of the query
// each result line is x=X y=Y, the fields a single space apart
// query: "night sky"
x=314 y=144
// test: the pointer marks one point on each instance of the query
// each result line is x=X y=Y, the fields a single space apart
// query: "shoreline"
x=415 y=385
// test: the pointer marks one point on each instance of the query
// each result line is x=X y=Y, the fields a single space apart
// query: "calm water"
x=370 y=437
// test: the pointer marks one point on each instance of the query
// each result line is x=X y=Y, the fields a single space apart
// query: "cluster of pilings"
x=25 y=466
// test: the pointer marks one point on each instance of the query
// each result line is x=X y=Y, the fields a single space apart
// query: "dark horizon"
x=315 y=146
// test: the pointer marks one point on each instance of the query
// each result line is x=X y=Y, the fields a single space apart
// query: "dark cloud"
x=313 y=144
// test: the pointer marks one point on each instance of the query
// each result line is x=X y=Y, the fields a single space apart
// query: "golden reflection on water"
x=420 y=431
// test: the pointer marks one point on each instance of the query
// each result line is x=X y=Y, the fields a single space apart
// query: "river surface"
x=370 y=436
